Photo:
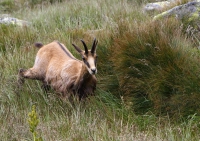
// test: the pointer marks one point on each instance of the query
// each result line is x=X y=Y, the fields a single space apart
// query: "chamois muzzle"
x=94 y=70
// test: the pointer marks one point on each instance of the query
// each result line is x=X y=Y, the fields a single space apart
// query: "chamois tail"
x=38 y=45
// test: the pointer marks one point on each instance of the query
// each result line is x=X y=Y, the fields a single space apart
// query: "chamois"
x=56 y=67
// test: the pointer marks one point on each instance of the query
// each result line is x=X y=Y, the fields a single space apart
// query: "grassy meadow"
x=148 y=74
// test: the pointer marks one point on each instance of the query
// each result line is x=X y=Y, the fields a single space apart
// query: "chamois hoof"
x=20 y=79
x=21 y=71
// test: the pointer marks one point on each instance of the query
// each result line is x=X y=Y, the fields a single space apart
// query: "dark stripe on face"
x=88 y=65
x=68 y=54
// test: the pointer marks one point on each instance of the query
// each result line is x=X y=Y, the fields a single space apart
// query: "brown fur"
x=56 y=66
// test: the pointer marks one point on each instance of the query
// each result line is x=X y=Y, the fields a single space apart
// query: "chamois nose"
x=93 y=70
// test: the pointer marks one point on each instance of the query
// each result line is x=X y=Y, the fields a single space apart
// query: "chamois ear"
x=77 y=48
x=94 y=46
x=86 y=49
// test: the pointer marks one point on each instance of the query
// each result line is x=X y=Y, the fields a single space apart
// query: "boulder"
x=6 y=19
x=158 y=6
x=190 y=10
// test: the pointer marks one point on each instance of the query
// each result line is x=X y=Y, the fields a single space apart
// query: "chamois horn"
x=86 y=49
x=94 y=45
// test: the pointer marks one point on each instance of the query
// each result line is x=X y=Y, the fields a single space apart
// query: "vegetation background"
x=148 y=73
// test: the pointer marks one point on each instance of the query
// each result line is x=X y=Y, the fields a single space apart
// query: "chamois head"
x=89 y=57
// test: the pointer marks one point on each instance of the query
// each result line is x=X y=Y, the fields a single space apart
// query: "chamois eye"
x=83 y=59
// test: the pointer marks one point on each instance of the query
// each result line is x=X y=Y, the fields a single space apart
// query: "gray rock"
x=158 y=6
x=189 y=10
x=13 y=21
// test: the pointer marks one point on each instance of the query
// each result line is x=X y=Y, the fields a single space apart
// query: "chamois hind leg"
x=30 y=74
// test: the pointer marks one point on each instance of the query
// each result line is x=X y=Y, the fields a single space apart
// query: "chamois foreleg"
x=46 y=87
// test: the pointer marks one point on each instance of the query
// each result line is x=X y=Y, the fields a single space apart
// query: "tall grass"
x=150 y=62
x=152 y=66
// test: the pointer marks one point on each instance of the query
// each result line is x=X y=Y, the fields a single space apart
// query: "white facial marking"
x=91 y=62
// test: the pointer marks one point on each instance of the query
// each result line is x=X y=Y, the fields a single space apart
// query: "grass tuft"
x=150 y=64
